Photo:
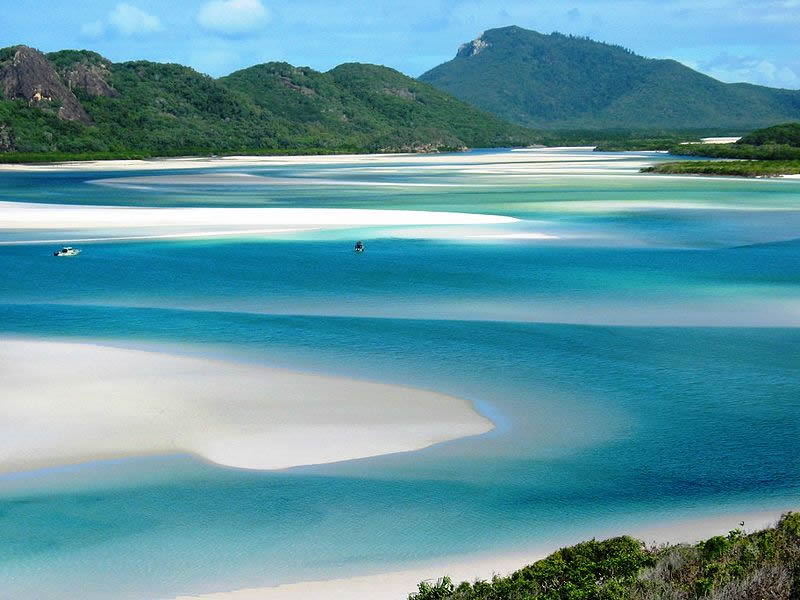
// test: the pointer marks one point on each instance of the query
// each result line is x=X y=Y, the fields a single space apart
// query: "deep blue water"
x=643 y=367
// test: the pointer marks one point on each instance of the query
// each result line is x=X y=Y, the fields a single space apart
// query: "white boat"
x=67 y=251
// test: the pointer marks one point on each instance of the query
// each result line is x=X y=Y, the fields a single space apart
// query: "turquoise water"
x=642 y=367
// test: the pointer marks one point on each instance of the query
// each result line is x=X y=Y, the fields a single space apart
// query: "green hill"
x=563 y=82
x=369 y=106
x=77 y=102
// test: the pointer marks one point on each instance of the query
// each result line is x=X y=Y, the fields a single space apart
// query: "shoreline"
x=517 y=155
x=396 y=585
x=576 y=161
x=68 y=403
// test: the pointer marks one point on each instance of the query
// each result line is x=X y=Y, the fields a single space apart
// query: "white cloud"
x=233 y=17
x=95 y=29
x=734 y=69
x=130 y=20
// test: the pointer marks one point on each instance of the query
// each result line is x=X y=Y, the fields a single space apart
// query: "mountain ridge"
x=76 y=101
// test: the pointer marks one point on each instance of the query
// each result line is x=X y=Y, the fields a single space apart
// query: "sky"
x=755 y=41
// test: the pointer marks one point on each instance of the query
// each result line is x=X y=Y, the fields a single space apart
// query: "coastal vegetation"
x=739 y=151
x=785 y=134
x=561 y=82
x=764 y=565
x=737 y=168
x=621 y=140
x=768 y=152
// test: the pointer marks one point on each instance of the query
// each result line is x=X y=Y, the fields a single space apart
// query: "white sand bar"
x=66 y=403
x=20 y=215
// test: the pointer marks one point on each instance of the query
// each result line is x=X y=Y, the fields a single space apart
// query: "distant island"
x=768 y=152
x=764 y=565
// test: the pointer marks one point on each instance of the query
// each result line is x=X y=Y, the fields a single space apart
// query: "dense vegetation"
x=741 y=151
x=738 y=168
x=758 y=566
x=787 y=134
x=563 y=82
x=149 y=109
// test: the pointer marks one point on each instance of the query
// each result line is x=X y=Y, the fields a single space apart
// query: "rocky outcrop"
x=28 y=75
x=306 y=91
x=473 y=48
x=91 y=78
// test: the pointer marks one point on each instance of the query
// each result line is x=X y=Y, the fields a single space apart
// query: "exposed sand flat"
x=25 y=216
x=66 y=403
x=721 y=140
x=715 y=140
x=398 y=584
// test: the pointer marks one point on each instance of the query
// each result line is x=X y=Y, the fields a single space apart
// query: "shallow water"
x=641 y=366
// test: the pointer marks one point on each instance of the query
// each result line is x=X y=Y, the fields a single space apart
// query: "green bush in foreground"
x=764 y=565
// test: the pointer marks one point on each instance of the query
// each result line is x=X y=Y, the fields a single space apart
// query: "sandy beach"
x=66 y=403
x=397 y=585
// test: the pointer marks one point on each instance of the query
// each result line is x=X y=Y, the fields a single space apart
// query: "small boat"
x=67 y=251
x=359 y=246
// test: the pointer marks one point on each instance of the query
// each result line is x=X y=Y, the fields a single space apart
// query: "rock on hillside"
x=28 y=75
x=85 y=70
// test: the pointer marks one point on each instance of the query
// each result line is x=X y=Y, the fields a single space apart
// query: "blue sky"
x=734 y=40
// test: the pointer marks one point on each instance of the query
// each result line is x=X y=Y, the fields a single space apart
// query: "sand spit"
x=65 y=403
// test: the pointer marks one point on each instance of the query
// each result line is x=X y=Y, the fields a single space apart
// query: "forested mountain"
x=563 y=82
x=79 y=102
